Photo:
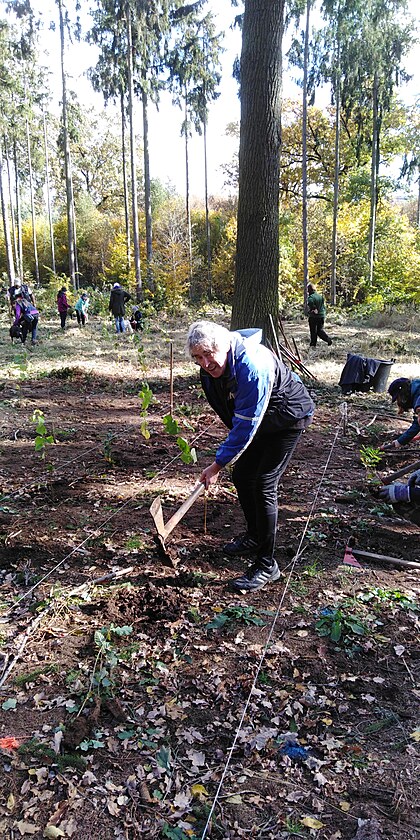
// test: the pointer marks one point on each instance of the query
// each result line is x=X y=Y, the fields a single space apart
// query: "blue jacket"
x=415 y=404
x=257 y=393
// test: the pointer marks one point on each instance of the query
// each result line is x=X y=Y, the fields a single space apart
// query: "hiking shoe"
x=256 y=577
x=244 y=544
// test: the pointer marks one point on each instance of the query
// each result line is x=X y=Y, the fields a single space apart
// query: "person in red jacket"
x=62 y=306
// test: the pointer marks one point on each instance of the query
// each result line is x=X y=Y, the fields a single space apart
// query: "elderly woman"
x=406 y=393
x=266 y=408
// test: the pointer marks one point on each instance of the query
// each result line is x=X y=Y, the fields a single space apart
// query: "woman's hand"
x=210 y=475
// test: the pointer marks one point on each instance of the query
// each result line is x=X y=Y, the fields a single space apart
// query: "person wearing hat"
x=117 y=301
x=316 y=312
x=62 y=306
x=81 y=308
x=406 y=393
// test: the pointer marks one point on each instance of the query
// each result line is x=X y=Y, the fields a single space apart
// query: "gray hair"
x=208 y=336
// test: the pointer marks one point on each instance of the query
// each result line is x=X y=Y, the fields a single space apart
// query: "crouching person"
x=26 y=318
x=404 y=498
x=266 y=408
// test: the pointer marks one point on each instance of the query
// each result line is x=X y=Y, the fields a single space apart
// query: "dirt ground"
x=141 y=695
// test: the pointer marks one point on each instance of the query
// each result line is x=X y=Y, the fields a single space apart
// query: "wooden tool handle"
x=173 y=521
x=403 y=471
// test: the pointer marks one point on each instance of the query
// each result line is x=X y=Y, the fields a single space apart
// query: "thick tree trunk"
x=125 y=186
x=32 y=197
x=147 y=195
x=19 y=263
x=256 y=293
x=373 y=178
x=206 y=195
x=336 y=181
x=6 y=228
x=47 y=187
x=305 y=156
x=134 y=201
x=187 y=201
x=67 y=164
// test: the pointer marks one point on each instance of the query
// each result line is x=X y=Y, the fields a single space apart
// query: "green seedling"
x=340 y=627
x=370 y=457
x=107 y=448
x=393 y=597
x=246 y=615
x=147 y=398
x=188 y=454
x=102 y=680
x=42 y=437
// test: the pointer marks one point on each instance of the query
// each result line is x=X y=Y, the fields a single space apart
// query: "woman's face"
x=212 y=361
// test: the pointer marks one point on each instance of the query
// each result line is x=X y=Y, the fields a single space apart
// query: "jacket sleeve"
x=251 y=401
x=410 y=433
x=127 y=297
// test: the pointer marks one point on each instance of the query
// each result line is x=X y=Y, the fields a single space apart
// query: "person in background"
x=26 y=317
x=406 y=393
x=405 y=498
x=266 y=408
x=24 y=289
x=136 y=319
x=62 y=306
x=81 y=308
x=117 y=301
x=317 y=312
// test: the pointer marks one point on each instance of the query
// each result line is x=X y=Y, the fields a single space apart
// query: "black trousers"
x=316 y=328
x=63 y=316
x=256 y=476
x=81 y=318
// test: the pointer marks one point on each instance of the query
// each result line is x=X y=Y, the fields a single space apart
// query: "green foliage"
x=146 y=398
x=42 y=437
x=392 y=597
x=188 y=454
x=340 y=627
x=246 y=615
x=370 y=457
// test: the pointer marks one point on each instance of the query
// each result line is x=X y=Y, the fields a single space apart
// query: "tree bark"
x=373 y=178
x=256 y=292
x=147 y=195
x=305 y=156
x=336 y=180
x=19 y=261
x=32 y=197
x=134 y=201
x=125 y=185
x=67 y=164
x=6 y=228
x=47 y=187
x=206 y=196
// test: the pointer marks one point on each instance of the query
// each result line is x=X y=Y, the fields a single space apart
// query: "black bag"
x=15 y=331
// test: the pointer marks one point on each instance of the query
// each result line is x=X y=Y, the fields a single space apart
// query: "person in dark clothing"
x=405 y=498
x=136 y=319
x=19 y=289
x=26 y=317
x=406 y=393
x=317 y=312
x=266 y=408
x=62 y=306
x=117 y=301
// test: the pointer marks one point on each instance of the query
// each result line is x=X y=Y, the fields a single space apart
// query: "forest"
x=79 y=199
x=142 y=695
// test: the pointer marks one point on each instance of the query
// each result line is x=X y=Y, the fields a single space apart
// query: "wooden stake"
x=205 y=513
x=171 y=378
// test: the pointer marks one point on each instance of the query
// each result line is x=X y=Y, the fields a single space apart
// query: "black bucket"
x=380 y=379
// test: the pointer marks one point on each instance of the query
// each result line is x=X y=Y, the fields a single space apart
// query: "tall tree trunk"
x=32 y=197
x=336 y=180
x=187 y=199
x=305 y=156
x=256 y=292
x=373 y=178
x=147 y=195
x=134 y=201
x=67 y=164
x=6 y=227
x=125 y=186
x=12 y=212
x=18 y=211
x=47 y=187
x=206 y=195
x=418 y=201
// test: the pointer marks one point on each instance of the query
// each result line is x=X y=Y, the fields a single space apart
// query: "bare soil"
x=126 y=708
